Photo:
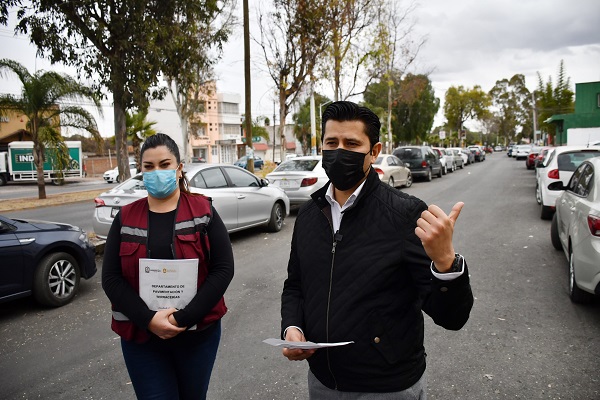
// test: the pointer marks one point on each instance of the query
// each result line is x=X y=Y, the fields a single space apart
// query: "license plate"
x=114 y=211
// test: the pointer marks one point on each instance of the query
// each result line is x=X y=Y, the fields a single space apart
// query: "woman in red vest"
x=169 y=353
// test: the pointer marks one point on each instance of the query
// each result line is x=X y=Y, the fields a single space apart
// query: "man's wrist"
x=455 y=265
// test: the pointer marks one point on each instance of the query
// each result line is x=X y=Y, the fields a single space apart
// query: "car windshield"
x=297 y=165
x=571 y=160
x=408 y=153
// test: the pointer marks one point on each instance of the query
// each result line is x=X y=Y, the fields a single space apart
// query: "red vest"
x=190 y=241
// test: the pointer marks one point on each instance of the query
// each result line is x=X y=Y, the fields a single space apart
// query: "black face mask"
x=344 y=167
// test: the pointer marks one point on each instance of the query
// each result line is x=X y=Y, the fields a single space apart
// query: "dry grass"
x=51 y=200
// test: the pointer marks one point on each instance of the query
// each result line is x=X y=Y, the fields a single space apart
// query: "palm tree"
x=47 y=101
x=137 y=130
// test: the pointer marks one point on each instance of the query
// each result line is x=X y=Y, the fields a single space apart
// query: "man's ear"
x=375 y=151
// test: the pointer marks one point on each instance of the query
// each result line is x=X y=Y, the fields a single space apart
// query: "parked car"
x=242 y=199
x=509 y=150
x=466 y=155
x=561 y=164
x=243 y=162
x=112 y=175
x=43 y=259
x=457 y=157
x=543 y=153
x=498 y=148
x=197 y=160
x=299 y=177
x=478 y=153
x=521 y=151
x=575 y=229
x=446 y=160
x=422 y=161
x=392 y=170
x=532 y=156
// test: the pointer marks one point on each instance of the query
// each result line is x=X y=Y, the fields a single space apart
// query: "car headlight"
x=84 y=237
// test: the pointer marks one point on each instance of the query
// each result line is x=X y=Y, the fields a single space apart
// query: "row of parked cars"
x=567 y=188
x=51 y=258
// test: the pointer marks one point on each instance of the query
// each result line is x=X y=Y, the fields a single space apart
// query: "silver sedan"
x=575 y=229
x=242 y=199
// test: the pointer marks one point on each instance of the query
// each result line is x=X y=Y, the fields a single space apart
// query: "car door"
x=11 y=268
x=577 y=189
x=212 y=183
x=254 y=202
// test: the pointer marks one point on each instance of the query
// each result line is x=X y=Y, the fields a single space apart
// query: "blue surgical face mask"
x=160 y=183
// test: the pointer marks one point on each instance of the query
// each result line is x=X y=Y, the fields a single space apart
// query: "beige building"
x=12 y=127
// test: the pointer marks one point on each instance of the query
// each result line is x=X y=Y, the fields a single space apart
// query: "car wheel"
x=391 y=181
x=577 y=295
x=56 y=280
x=276 y=221
x=538 y=193
x=409 y=180
x=439 y=175
x=554 y=233
x=118 y=179
x=546 y=212
x=462 y=165
x=444 y=170
x=429 y=175
x=2 y=180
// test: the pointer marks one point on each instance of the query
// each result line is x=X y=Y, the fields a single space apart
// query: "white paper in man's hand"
x=302 y=345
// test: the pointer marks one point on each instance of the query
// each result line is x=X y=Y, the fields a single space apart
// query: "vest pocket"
x=191 y=246
x=128 y=267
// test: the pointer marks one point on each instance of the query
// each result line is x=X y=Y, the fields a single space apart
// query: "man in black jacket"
x=366 y=259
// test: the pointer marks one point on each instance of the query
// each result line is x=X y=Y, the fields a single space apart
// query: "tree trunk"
x=38 y=161
x=121 y=140
x=282 y=115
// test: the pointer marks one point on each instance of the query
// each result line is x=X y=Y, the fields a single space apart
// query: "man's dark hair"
x=348 y=111
x=160 y=139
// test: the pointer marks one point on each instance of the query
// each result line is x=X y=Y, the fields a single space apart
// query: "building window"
x=214 y=151
x=229 y=108
x=229 y=129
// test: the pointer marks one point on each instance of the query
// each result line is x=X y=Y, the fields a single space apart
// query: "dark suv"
x=422 y=161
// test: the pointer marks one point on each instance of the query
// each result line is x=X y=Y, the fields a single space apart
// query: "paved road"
x=79 y=213
x=525 y=339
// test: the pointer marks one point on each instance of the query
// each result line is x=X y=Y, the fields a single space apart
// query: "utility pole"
x=313 y=124
x=534 y=117
x=248 y=94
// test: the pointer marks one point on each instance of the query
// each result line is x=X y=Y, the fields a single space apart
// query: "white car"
x=463 y=155
x=560 y=165
x=521 y=151
x=576 y=229
x=446 y=160
x=299 y=177
x=112 y=175
x=392 y=171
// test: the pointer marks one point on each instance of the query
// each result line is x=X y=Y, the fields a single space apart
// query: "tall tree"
x=192 y=82
x=551 y=99
x=413 y=109
x=47 y=100
x=292 y=37
x=512 y=104
x=121 y=45
x=397 y=50
x=462 y=104
x=351 y=24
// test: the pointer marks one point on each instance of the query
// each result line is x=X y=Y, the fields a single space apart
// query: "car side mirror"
x=558 y=185
x=264 y=182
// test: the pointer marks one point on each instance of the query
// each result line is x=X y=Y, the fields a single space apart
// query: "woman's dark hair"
x=161 y=139
x=348 y=111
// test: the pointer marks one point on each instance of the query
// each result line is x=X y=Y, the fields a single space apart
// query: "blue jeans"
x=177 y=368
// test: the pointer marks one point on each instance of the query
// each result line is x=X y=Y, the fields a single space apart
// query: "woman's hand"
x=162 y=327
